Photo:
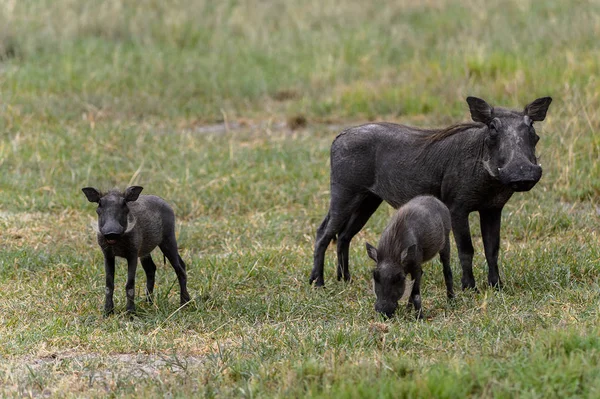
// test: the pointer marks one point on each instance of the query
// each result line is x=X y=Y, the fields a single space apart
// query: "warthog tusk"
x=130 y=223
x=408 y=285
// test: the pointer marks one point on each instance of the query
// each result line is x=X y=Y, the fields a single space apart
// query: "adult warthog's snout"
x=520 y=177
x=386 y=308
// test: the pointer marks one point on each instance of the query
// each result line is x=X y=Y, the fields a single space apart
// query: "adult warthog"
x=470 y=167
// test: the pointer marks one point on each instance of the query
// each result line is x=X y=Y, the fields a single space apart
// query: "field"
x=227 y=110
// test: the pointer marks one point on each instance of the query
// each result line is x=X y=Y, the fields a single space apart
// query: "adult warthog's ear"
x=92 y=194
x=132 y=193
x=480 y=110
x=536 y=111
x=372 y=252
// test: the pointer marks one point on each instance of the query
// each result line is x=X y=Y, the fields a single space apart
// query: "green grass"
x=119 y=93
x=196 y=61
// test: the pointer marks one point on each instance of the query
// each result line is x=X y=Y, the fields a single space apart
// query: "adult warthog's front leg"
x=462 y=236
x=445 y=259
x=490 y=232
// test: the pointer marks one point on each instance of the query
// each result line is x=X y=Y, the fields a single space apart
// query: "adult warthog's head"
x=510 y=141
x=114 y=218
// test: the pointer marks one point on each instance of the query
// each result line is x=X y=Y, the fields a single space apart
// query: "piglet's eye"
x=396 y=279
x=376 y=275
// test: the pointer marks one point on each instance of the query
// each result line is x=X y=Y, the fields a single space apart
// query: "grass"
x=118 y=93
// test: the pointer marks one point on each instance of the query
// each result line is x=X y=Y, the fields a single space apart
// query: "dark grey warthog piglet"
x=131 y=225
x=469 y=167
x=417 y=232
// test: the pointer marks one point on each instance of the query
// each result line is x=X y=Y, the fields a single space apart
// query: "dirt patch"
x=86 y=373
x=285 y=95
x=290 y=124
x=297 y=122
x=135 y=365
x=39 y=230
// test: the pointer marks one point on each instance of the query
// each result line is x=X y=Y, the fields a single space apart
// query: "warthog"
x=131 y=225
x=415 y=234
x=470 y=167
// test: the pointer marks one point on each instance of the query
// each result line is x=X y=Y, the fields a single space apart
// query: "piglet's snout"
x=386 y=308
x=112 y=232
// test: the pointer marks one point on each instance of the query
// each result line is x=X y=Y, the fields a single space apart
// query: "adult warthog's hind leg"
x=340 y=212
x=357 y=221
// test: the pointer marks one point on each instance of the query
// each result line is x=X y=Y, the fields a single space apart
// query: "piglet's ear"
x=536 y=111
x=372 y=252
x=132 y=193
x=92 y=194
x=409 y=254
x=376 y=276
x=480 y=110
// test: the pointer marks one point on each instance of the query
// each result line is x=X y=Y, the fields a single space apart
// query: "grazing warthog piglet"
x=419 y=230
x=470 y=167
x=131 y=226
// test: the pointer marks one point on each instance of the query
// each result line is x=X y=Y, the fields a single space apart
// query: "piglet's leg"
x=109 y=269
x=130 y=285
x=415 y=295
x=150 y=269
x=169 y=248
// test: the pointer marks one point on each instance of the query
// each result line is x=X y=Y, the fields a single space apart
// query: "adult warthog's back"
x=470 y=167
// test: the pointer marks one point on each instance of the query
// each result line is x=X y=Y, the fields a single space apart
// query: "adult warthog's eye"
x=492 y=139
x=534 y=137
x=493 y=133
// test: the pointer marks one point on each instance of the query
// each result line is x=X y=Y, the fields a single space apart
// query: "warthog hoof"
x=498 y=285
x=318 y=280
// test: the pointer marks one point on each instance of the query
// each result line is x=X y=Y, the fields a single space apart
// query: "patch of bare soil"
x=78 y=372
x=37 y=230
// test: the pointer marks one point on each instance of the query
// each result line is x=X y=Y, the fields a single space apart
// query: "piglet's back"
x=155 y=220
x=431 y=210
x=424 y=221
